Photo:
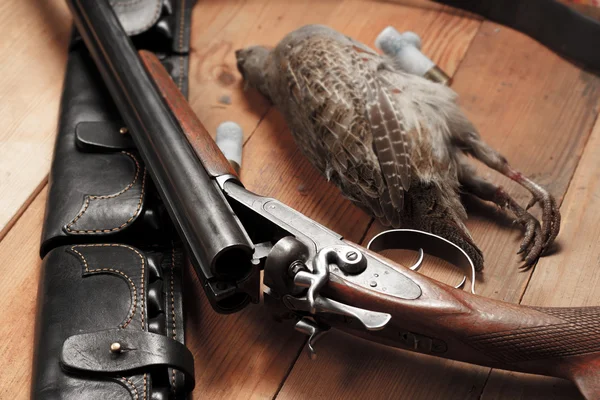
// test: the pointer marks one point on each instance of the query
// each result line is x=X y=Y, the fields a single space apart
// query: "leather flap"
x=124 y=351
x=102 y=136
x=137 y=16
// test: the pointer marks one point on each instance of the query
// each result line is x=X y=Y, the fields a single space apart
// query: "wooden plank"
x=255 y=363
x=21 y=263
x=573 y=273
x=538 y=110
x=419 y=3
x=34 y=49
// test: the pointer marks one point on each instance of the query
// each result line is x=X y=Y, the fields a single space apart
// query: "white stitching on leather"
x=88 y=198
x=130 y=382
x=116 y=271
x=181 y=59
x=174 y=335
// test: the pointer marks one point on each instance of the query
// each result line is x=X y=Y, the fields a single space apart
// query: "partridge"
x=395 y=144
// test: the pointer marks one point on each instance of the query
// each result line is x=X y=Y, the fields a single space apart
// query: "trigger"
x=314 y=332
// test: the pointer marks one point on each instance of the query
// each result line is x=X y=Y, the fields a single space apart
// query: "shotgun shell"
x=230 y=139
x=405 y=51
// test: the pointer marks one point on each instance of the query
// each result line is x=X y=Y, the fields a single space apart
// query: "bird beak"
x=240 y=62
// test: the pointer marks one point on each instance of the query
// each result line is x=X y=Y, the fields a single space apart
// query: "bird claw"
x=532 y=244
x=532 y=226
x=550 y=217
x=551 y=221
x=538 y=237
x=527 y=266
x=531 y=203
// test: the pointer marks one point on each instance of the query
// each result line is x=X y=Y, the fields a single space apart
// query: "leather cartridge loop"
x=124 y=351
x=103 y=136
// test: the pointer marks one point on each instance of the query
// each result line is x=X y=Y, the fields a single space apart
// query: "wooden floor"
x=536 y=108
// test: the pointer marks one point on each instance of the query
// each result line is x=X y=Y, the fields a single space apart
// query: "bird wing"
x=390 y=139
x=346 y=106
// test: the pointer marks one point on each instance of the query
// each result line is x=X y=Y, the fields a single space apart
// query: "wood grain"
x=574 y=273
x=219 y=29
x=33 y=49
x=20 y=263
x=538 y=110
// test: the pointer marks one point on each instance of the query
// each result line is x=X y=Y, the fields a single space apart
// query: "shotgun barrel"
x=219 y=247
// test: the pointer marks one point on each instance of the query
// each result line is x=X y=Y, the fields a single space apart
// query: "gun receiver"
x=311 y=273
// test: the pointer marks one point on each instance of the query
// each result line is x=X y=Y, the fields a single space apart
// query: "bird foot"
x=536 y=234
x=550 y=215
x=532 y=245
x=550 y=211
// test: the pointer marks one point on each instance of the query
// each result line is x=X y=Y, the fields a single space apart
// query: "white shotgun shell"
x=405 y=50
x=230 y=139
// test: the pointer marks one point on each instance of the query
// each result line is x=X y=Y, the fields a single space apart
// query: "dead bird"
x=395 y=144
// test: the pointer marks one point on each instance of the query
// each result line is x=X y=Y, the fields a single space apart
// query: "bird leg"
x=533 y=242
x=426 y=210
x=474 y=145
x=550 y=211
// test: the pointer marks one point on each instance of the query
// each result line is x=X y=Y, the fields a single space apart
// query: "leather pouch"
x=110 y=324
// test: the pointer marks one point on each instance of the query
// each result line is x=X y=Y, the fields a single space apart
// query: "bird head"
x=252 y=64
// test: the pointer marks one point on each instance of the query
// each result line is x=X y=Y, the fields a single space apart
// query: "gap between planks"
x=19 y=213
x=595 y=125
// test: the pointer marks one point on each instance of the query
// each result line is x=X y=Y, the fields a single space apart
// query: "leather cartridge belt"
x=110 y=318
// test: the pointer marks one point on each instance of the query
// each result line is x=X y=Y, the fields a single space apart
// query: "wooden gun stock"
x=203 y=144
x=452 y=323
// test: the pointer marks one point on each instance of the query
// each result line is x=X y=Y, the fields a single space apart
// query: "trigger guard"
x=412 y=239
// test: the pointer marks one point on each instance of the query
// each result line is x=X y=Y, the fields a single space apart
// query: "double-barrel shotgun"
x=311 y=273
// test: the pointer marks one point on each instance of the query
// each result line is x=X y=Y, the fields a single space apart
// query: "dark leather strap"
x=555 y=25
x=91 y=352
x=102 y=136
